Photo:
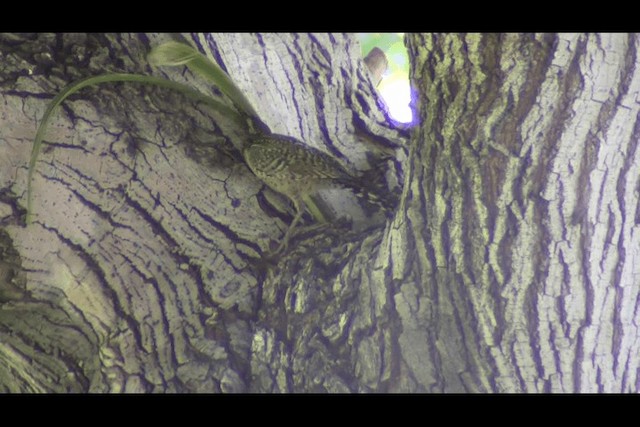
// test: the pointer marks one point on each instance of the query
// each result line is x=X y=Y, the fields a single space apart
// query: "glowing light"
x=397 y=95
x=394 y=87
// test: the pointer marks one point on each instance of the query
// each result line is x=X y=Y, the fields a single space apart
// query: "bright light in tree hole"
x=397 y=95
x=394 y=87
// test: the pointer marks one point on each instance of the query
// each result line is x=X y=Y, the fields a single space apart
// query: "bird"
x=297 y=171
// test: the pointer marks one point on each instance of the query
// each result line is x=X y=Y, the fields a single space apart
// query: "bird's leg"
x=321 y=216
x=285 y=240
x=313 y=208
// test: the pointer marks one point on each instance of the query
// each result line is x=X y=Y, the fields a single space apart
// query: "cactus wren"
x=297 y=171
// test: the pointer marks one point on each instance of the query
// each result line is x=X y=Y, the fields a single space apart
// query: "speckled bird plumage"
x=297 y=171
x=291 y=167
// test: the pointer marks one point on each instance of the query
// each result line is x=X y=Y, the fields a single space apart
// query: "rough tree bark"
x=510 y=263
x=522 y=213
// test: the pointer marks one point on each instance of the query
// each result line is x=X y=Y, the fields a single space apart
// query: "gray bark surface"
x=144 y=269
x=510 y=265
x=522 y=215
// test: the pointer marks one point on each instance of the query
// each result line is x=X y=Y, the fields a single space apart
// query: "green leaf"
x=171 y=54
x=175 y=54
x=107 y=78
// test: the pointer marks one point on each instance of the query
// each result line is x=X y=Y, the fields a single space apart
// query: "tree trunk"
x=521 y=209
x=508 y=266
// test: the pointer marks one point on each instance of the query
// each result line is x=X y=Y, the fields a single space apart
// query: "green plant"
x=167 y=54
x=283 y=163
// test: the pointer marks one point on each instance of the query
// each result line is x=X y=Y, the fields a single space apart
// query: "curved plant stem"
x=107 y=78
x=174 y=54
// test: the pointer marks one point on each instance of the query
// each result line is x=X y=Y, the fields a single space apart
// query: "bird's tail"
x=373 y=192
